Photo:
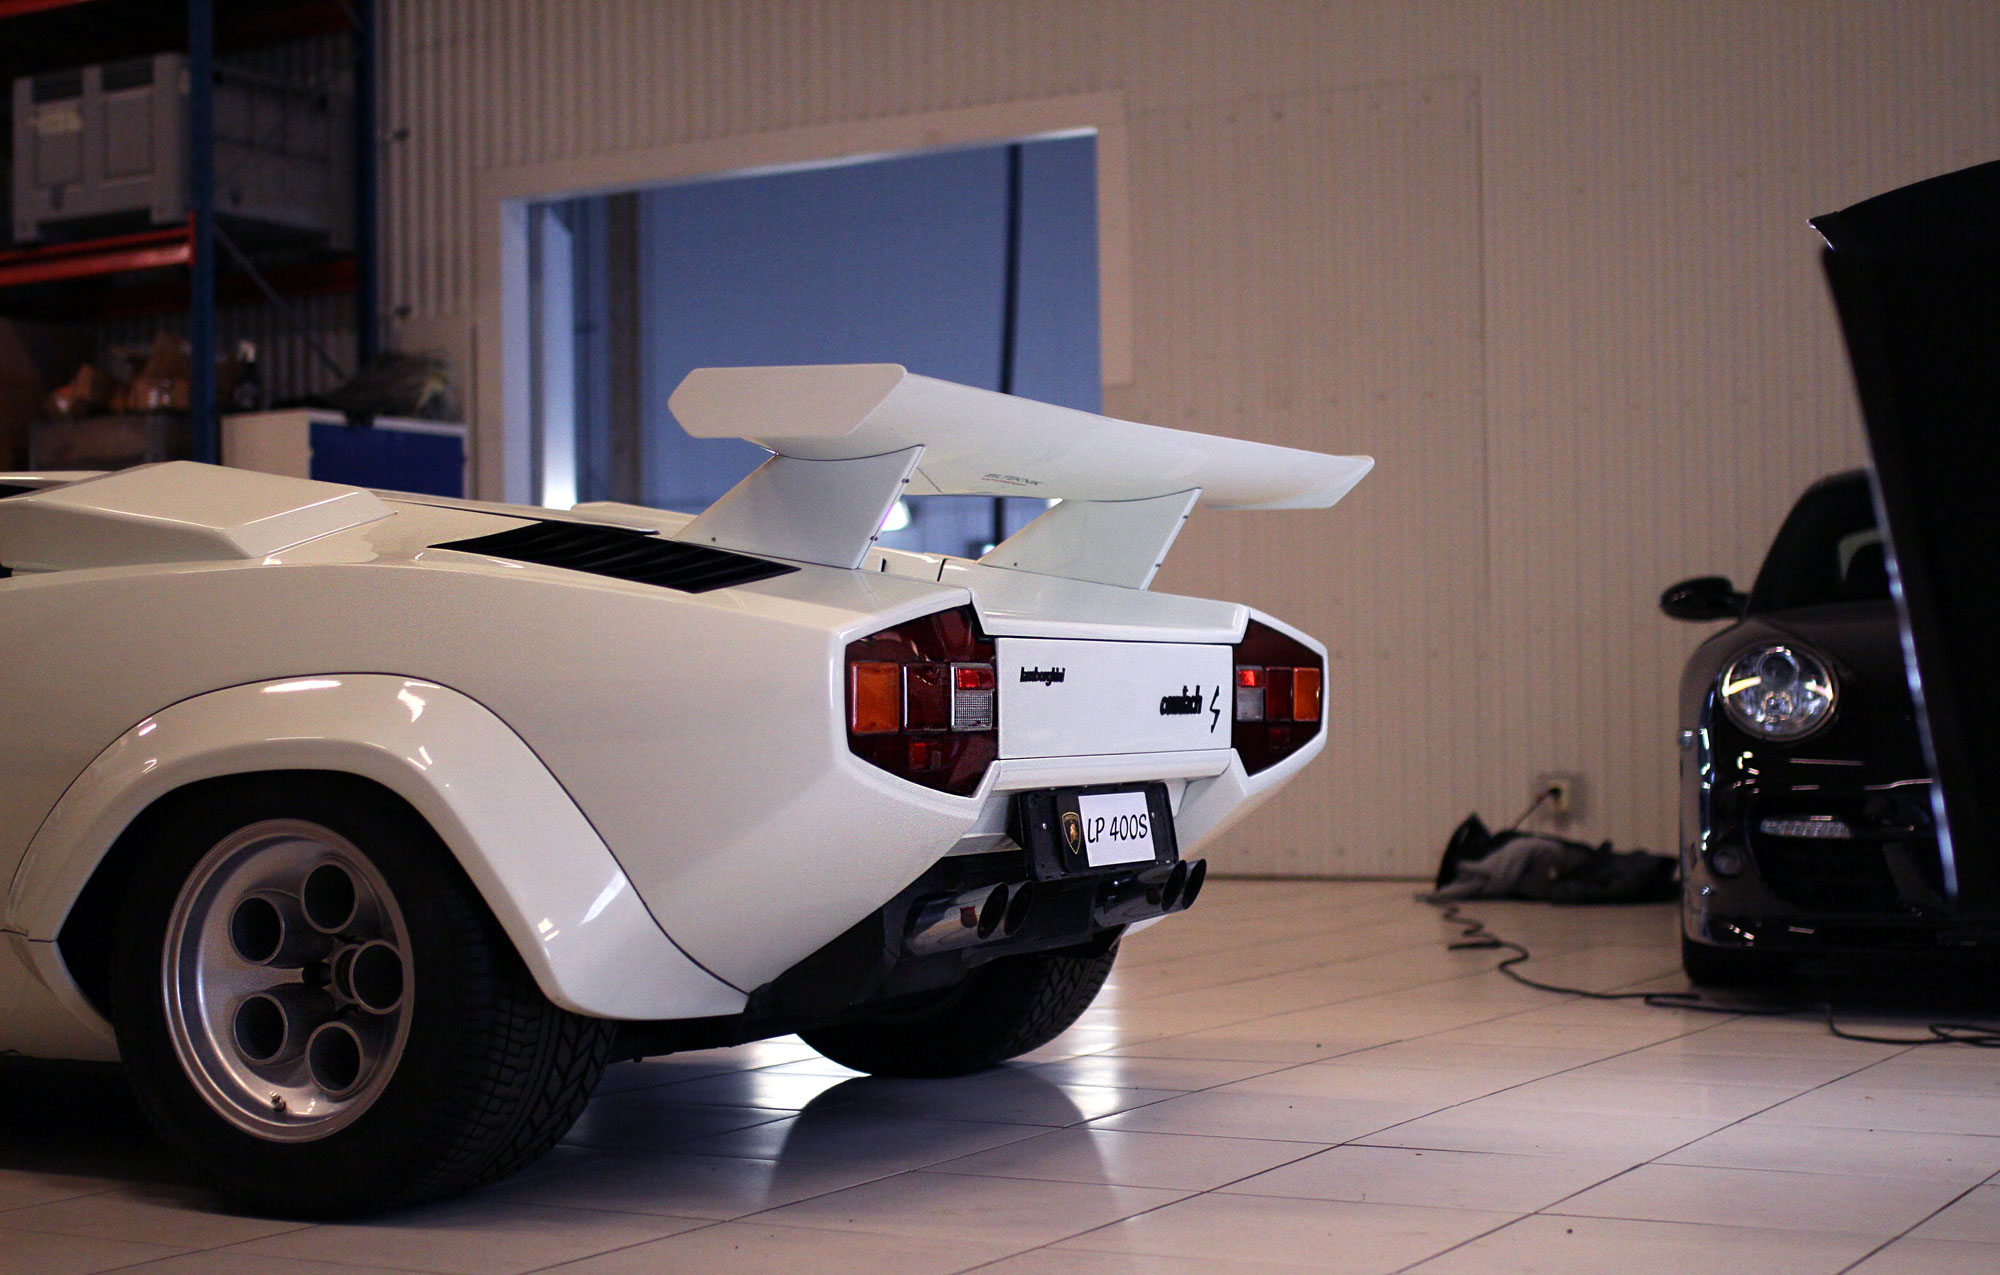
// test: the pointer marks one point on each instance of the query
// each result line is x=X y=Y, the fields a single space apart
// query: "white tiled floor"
x=1292 y=1077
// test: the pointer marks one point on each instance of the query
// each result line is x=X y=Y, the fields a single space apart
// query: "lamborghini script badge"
x=1072 y=823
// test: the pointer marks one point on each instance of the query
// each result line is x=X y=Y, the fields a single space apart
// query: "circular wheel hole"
x=256 y=929
x=328 y=897
x=260 y=1028
x=333 y=1055
x=376 y=976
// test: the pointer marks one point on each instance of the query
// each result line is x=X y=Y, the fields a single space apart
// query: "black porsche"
x=1806 y=813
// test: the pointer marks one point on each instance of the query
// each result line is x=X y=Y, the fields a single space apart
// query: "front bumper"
x=1818 y=870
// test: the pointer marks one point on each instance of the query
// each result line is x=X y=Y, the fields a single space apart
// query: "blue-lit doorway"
x=975 y=264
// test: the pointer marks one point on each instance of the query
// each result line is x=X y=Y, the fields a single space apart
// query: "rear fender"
x=548 y=877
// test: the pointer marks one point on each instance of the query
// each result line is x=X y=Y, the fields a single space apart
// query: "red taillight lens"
x=926 y=697
x=923 y=701
x=1278 y=695
x=973 y=695
x=1249 y=693
x=1279 y=689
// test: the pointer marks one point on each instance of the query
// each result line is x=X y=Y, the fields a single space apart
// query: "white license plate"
x=1117 y=828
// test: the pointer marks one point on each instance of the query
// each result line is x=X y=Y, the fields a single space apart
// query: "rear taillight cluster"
x=1278 y=694
x=922 y=700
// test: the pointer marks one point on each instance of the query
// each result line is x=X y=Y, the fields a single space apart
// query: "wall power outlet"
x=1567 y=804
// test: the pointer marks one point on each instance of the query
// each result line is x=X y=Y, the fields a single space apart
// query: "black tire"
x=1002 y=1010
x=488 y=1075
x=1724 y=967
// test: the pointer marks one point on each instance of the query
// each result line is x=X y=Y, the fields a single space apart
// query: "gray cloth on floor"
x=1523 y=868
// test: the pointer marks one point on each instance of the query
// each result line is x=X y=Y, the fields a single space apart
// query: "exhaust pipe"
x=951 y=921
x=1154 y=892
x=1196 y=877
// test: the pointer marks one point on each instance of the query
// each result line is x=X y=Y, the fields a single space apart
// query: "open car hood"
x=1916 y=276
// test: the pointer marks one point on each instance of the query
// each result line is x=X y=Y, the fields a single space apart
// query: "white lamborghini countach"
x=364 y=829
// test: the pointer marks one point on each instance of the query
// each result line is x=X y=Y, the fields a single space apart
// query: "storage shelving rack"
x=179 y=268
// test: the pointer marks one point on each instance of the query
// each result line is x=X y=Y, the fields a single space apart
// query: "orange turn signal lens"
x=1305 y=694
x=876 y=697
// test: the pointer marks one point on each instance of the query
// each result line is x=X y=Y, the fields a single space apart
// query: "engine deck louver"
x=623 y=555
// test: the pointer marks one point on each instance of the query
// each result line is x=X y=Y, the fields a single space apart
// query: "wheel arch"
x=548 y=879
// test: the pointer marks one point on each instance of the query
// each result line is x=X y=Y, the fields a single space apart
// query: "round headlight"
x=1777 y=692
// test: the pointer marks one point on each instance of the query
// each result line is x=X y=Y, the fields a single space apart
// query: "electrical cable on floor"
x=1474 y=936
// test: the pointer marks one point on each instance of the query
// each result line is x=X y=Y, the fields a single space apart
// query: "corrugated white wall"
x=1548 y=262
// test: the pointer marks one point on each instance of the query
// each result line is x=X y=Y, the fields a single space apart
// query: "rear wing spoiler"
x=850 y=439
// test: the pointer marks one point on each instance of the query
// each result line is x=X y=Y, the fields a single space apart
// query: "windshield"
x=1829 y=550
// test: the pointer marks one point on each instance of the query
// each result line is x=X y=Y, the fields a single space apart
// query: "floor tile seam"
x=1659 y=1158
x=1275 y=1067
x=776 y=1116
x=147 y=1261
x=1418 y=945
x=762 y=1219
x=176 y=1250
x=1561 y=1071
x=291 y=1229
x=1904 y=1053
x=1248 y=946
x=1906 y=1231
x=1297 y=969
x=1493 y=970
x=1797 y=1230
x=709 y=1105
x=1257 y=1018
x=62 y=1199
x=1187 y=1133
x=703 y=1224
x=1041 y=1131
x=708 y=1225
x=1316 y=1149
x=1318 y=1143
x=1174 y=1204
x=241 y=1247
x=1869 y=1256
x=1773 y=1230
x=1820 y=1173
x=794 y=1112
x=1452 y=1248
x=1061 y=1239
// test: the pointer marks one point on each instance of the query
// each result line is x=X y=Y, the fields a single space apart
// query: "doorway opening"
x=973 y=264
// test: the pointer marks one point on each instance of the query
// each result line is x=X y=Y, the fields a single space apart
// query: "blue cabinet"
x=392 y=454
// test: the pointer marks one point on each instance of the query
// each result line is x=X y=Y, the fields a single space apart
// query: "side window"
x=1828 y=551
x=1864 y=566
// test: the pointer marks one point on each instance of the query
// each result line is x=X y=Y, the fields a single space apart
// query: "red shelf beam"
x=22 y=8
x=52 y=263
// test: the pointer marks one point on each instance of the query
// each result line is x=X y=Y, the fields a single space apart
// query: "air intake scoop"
x=177 y=512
